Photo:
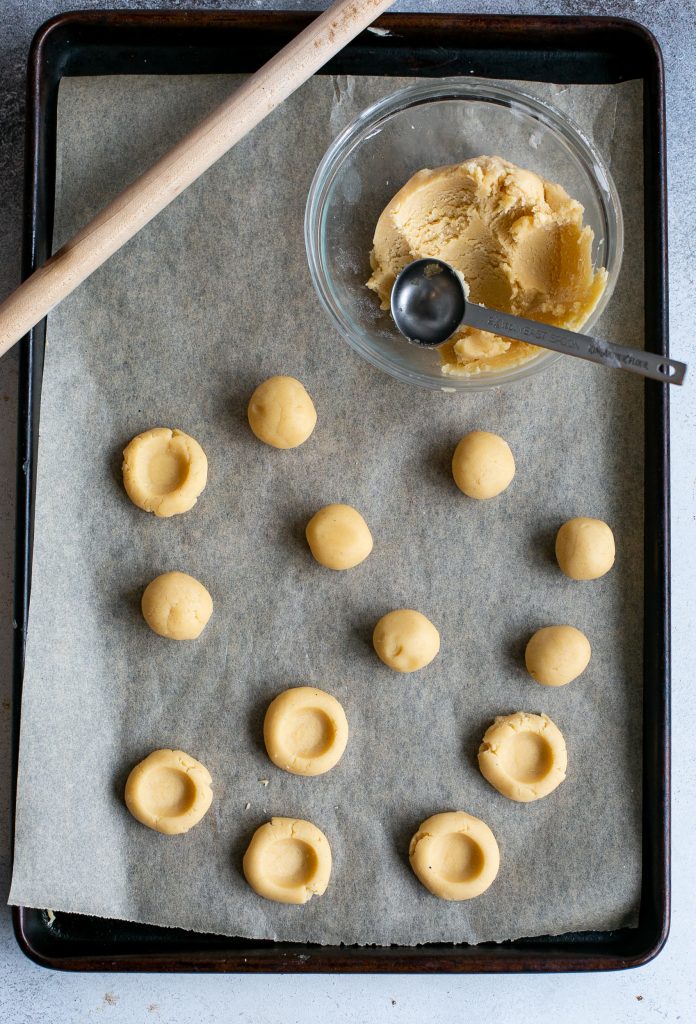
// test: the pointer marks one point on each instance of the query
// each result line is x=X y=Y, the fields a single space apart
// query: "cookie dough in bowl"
x=164 y=471
x=305 y=731
x=518 y=241
x=585 y=548
x=406 y=640
x=523 y=756
x=339 y=537
x=288 y=860
x=281 y=413
x=454 y=855
x=176 y=606
x=555 y=655
x=169 y=791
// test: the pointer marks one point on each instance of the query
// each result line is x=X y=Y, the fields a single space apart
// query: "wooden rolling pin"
x=152 y=191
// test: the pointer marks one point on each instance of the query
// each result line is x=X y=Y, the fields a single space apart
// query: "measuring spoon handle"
x=620 y=357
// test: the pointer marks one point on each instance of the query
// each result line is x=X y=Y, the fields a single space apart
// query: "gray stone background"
x=664 y=990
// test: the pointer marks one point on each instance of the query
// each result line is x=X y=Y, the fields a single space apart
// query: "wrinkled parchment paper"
x=177 y=329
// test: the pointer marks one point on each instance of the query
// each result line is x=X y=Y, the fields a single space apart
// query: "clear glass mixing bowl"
x=429 y=125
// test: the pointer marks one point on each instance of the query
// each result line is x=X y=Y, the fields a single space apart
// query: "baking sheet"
x=177 y=329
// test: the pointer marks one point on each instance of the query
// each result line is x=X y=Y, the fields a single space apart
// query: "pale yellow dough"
x=556 y=655
x=339 y=537
x=164 y=471
x=406 y=640
x=585 y=548
x=288 y=860
x=281 y=413
x=305 y=731
x=169 y=791
x=523 y=756
x=518 y=241
x=176 y=606
x=482 y=465
x=454 y=855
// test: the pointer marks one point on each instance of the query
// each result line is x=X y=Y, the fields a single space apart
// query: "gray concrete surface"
x=662 y=991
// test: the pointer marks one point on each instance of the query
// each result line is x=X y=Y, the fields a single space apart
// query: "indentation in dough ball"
x=523 y=756
x=454 y=855
x=305 y=731
x=460 y=857
x=406 y=640
x=482 y=465
x=338 y=537
x=169 y=791
x=288 y=860
x=556 y=655
x=164 y=471
x=526 y=757
x=585 y=548
x=312 y=731
x=176 y=606
x=281 y=413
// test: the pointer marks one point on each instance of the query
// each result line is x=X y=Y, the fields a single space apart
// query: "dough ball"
x=177 y=606
x=305 y=731
x=164 y=471
x=281 y=413
x=585 y=548
x=405 y=640
x=454 y=855
x=288 y=860
x=169 y=791
x=339 y=537
x=556 y=655
x=482 y=464
x=523 y=756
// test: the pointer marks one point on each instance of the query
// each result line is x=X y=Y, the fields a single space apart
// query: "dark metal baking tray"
x=533 y=48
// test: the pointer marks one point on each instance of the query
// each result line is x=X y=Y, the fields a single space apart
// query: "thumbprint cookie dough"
x=305 y=731
x=339 y=537
x=164 y=471
x=454 y=855
x=176 y=606
x=517 y=239
x=482 y=465
x=523 y=756
x=169 y=791
x=281 y=413
x=405 y=640
x=288 y=860
x=585 y=548
x=556 y=655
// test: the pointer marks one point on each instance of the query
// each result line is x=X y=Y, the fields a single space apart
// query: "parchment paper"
x=177 y=329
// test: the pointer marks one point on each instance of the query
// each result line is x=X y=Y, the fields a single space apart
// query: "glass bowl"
x=429 y=125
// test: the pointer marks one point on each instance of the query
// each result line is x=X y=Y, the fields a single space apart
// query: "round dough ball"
x=339 y=537
x=281 y=413
x=177 y=606
x=305 y=731
x=288 y=860
x=405 y=640
x=523 y=756
x=169 y=791
x=454 y=855
x=164 y=471
x=556 y=655
x=482 y=465
x=585 y=548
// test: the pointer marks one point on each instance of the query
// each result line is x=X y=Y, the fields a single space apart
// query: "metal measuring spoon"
x=429 y=303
